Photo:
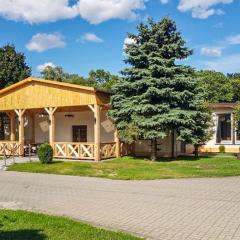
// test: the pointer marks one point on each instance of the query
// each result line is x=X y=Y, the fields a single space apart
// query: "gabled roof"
x=33 y=93
x=56 y=83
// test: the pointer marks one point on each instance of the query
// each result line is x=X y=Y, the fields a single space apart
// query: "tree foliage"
x=217 y=86
x=54 y=73
x=102 y=79
x=13 y=67
x=156 y=96
x=97 y=78
x=235 y=86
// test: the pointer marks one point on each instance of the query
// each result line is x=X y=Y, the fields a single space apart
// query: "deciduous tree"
x=97 y=78
x=13 y=68
x=217 y=86
x=54 y=73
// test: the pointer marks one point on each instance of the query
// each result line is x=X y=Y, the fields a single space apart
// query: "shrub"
x=222 y=149
x=45 y=153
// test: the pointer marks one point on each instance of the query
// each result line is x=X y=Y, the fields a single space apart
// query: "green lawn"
x=22 y=225
x=138 y=168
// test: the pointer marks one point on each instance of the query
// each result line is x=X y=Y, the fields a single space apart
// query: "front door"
x=79 y=133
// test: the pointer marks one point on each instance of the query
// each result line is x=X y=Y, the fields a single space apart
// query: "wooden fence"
x=108 y=150
x=73 y=150
x=10 y=148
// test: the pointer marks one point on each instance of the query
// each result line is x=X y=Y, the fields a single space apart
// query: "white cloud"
x=219 y=12
x=164 y=1
x=43 y=41
x=97 y=11
x=128 y=41
x=211 y=51
x=234 y=40
x=218 y=25
x=90 y=37
x=228 y=64
x=41 y=67
x=202 y=8
x=94 y=11
x=33 y=11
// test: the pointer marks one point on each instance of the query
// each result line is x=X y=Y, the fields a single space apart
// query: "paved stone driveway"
x=168 y=209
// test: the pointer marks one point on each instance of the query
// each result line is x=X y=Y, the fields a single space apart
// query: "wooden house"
x=70 y=117
x=225 y=129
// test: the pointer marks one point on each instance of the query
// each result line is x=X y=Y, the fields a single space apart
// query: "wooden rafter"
x=92 y=108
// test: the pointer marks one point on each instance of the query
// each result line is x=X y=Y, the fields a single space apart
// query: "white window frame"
x=237 y=142
x=224 y=142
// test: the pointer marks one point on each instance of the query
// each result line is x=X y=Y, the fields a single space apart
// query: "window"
x=79 y=133
x=224 y=128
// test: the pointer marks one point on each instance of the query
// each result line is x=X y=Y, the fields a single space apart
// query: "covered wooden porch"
x=57 y=103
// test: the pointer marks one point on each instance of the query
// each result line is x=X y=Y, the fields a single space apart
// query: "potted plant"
x=221 y=149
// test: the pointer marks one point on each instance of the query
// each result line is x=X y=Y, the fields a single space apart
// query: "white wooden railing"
x=108 y=150
x=73 y=150
x=9 y=148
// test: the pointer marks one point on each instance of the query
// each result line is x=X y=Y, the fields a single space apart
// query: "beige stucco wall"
x=142 y=148
x=211 y=146
x=41 y=129
x=63 y=130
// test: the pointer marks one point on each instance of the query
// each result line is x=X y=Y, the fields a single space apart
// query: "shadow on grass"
x=184 y=158
x=180 y=158
x=51 y=163
x=220 y=155
x=22 y=235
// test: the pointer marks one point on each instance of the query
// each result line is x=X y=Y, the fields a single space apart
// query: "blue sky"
x=81 y=35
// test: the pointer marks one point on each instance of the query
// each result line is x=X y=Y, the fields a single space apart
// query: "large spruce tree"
x=156 y=96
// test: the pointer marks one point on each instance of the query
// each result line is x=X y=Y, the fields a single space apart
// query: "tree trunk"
x=196 y=152
x=134 y=149
x=154 y=149
x=173 y=143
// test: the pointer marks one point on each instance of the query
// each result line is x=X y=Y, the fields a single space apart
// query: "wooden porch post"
x=20 y=114
x=11 y=116
x=51 y=111
x=118 y=144
x=97 y=137
x=97 y=127
x=33 y=127
x=12 y=128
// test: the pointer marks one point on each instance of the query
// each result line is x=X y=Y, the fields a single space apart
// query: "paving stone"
x=192 y=209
